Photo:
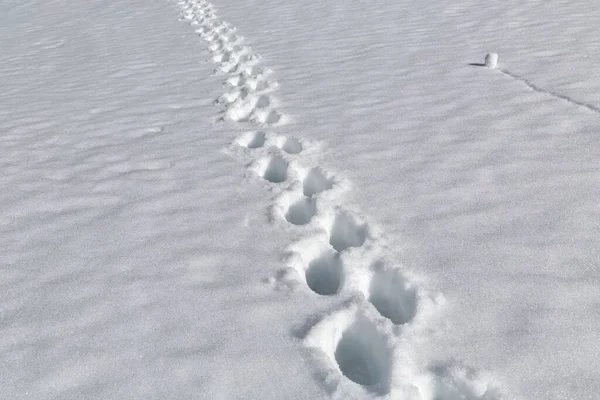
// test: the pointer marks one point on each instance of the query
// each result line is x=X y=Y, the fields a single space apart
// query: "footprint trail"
x=370 y=344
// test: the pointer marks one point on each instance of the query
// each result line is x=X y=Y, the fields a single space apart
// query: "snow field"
x=366 y=345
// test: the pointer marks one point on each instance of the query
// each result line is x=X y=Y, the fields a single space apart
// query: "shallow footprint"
x=262 y=102
x=455 y=381
x=269 y=117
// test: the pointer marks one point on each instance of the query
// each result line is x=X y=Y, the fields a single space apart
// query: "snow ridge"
x=371 y=344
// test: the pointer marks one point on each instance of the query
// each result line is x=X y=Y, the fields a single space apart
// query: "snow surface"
x=301 y=200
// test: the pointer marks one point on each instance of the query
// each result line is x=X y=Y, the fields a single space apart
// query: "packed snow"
x=299 y=200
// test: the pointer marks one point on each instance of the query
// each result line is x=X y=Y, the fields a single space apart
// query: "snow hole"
x=324 y=274
x=316 y=182
x=361 y=354
x=301 y=212
x=347 y=232
x=392 y=296
x=290 y=145
x=269 y=118
x=273 y=169
x=252 y=140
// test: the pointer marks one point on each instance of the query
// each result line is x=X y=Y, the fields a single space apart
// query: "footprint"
x=210 y=36
x=232 y=38
x=231 y=97
x=391 y=295
x=227 y=68
x=324 y=274
x=346 y=232
x=236 y=81
x=316 y=182
x=273 y=169
x=262 y=102
x=252 y=140
x=203 y=30
x=257 y=84
x=222 y=58
x=361 y=353
x=301 y=211
x=289 y=144
x=269 y=117
x=218 y=45
x=351 y=345
x=239 y=111
x=254 y=72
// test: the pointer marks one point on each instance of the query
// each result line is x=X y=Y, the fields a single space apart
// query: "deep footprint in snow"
x=273 y=169
x=347 y=232
x=289 y=144
x=362 y=355
x=392 y=296
x=316 y=182
x=252 y=140
x=301 y=211
x=324 y=274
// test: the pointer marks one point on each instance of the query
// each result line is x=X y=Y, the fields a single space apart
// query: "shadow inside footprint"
x=346 y=232
x=252 y=140
x=316 y=182
x=263 y=102
x=392 y=297
x=301 y=212
x=362 y=356
x=324 y=274
x=291 y=145
x=273 y=169
x=269 y=118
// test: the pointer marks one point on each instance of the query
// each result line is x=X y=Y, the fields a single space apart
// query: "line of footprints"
x=365 y=346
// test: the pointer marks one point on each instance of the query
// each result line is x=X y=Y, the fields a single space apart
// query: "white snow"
x=304 y=200
x=491 y=60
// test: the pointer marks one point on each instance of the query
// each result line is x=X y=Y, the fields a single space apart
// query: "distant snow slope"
x=336 y=204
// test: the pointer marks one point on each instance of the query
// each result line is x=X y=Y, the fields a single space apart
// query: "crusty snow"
x=299 y=200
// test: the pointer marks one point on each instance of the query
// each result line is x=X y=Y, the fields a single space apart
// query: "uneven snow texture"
x=359 y=211
x=382 y=310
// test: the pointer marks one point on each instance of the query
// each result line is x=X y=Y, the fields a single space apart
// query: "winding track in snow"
x=363 y=348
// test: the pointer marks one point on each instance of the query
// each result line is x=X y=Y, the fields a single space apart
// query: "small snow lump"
x=491 y=60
